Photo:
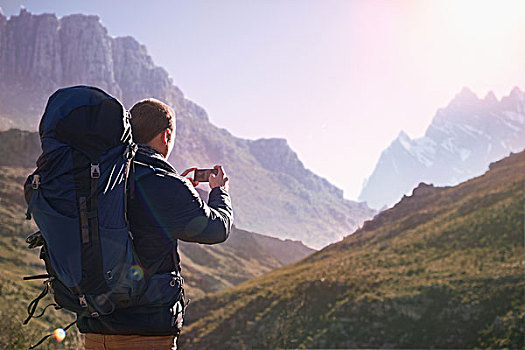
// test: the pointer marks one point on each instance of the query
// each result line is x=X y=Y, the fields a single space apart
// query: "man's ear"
x=166 y=136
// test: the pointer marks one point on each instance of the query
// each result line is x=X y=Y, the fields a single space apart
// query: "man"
x=163 y=208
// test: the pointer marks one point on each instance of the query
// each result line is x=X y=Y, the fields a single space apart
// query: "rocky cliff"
x=272 y=191
x=460 y=143
x=40 y=53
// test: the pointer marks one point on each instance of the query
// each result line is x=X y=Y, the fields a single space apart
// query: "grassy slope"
x=206 y=268
x=243 y=256
x=15 y=262
x=443 y=268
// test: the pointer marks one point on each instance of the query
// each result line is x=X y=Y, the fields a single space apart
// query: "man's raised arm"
x=185 y=216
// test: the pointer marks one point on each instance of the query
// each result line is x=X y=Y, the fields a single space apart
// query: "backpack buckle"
x=82 y=301
x=49 y=284
x=36 y=182
x=95 y=170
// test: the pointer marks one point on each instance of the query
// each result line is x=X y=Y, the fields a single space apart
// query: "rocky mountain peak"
x=275 y=155
x=515 y=100
x=40 y=53
x=465 y=107
x=26 y=57
x=403 y=140
x=403 y=135
x=490 y=98
x=88 y=19
x=89 y=64
x=517 y=96
x=517 y=93
x=467 y=94
x=23 y=12
x=461 y=141
x=466 y=98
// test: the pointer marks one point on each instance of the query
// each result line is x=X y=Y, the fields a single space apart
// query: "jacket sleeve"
x=183 y=215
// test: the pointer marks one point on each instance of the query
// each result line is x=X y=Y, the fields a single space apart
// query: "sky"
x=339 y=79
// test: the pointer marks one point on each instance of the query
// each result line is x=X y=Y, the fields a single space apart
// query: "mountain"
x=243 y=256
x=443 y=268
x=459 y=144
x=273 y=193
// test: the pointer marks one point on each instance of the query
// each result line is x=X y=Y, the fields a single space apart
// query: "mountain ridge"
x=273 y=192
x=461 y=141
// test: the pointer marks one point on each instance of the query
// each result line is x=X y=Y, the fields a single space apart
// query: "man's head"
x=153 y=123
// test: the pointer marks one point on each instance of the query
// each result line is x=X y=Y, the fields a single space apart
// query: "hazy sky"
x=337 y=79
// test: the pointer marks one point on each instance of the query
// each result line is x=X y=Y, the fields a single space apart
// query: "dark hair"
x=149 y=118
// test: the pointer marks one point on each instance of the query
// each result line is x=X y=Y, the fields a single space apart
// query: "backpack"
x=78 y=196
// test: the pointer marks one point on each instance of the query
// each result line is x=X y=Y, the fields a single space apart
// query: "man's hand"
x=219 y=180
x=186 y=172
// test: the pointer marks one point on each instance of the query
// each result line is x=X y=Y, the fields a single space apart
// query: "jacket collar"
x=147 y=154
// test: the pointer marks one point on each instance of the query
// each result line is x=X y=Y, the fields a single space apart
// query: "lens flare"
x=136 y=272
x=59 y=334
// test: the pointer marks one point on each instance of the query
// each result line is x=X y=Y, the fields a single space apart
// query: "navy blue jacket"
x=164 y=208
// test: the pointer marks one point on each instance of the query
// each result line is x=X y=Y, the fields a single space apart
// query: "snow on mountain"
x=462 y=140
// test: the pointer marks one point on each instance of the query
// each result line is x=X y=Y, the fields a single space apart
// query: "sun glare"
x=486 y=19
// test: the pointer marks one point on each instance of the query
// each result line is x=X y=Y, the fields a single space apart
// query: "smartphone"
x=203 y=175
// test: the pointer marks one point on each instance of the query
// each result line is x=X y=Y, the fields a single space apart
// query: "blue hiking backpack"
x=78 y=198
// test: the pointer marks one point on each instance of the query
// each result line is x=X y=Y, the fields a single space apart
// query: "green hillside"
x=444 y=268
x=15 y=262
x=243 y=256
x=206 y=268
